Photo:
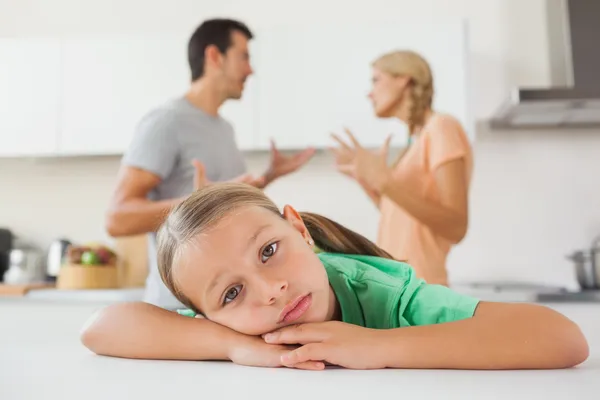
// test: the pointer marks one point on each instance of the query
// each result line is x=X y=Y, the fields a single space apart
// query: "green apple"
x=90 y=258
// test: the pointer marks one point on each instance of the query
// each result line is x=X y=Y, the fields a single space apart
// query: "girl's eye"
x=268 y=252
x=232 y=294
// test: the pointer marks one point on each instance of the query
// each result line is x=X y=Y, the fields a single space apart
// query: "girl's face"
x=255 y=272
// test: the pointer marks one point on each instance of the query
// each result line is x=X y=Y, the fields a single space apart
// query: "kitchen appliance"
x=6 y=243
x=25 y=266
x=57 y=253
x=587 y=266
x=574 y=98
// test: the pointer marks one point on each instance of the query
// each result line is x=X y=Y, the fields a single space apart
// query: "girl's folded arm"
x=142 y=330
x=498 y=336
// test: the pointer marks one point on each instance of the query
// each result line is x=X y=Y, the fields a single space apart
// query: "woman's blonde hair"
x=410 y=64
x=209 y=205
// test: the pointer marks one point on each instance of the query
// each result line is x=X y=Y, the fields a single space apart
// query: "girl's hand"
x=253 y=351
x=337 y=343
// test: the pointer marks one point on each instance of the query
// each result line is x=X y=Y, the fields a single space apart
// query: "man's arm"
x=130 y=212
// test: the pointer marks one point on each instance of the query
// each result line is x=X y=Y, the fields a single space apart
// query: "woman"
x=423 y=196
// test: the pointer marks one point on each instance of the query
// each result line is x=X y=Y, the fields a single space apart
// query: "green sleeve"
x=424 y=304
x=186 y=312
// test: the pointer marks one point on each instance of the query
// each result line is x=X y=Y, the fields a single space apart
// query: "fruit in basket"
x=90 y=258
x=91 y=255
x=74 y=254
x=104 y=254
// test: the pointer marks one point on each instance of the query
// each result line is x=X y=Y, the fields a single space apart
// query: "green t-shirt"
x=381 y=293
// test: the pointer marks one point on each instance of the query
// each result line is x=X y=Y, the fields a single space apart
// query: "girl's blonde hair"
x=209 y=205
x=410 y=64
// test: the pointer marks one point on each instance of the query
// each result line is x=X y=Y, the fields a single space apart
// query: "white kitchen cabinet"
x=315 y=80
x=29 y=96
x=109 y=83
x=86 y=95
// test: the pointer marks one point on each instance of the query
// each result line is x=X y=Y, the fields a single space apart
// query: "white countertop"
x=100 y=296
x=41 y=357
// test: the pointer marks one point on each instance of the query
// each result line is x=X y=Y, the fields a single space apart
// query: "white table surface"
x=41 y=358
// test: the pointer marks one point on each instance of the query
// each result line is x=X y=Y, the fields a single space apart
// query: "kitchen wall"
x=533 y=197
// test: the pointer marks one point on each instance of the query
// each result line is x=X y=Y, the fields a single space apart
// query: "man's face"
x=235 y=67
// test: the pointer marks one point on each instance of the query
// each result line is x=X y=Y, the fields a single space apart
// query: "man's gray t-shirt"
x=165 y=142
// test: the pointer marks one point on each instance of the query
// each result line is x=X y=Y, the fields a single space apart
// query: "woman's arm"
x=449 y=217
x=499 y=336
x=373 y=194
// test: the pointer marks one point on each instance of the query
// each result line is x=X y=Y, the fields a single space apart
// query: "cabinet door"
x=315 y=80
x=110 y=83
x=29 y=96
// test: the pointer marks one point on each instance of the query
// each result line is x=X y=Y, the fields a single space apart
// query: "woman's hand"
x=344 y=156
x=253 y=351
x=369 y=167
x=337 y=343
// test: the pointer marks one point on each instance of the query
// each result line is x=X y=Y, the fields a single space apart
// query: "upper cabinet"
x=29 y=96
x=86 y=95
x=315 y=80
x=110 y=83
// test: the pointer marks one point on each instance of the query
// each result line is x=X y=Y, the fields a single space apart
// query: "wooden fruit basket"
x=89 y=267
x=77 y=276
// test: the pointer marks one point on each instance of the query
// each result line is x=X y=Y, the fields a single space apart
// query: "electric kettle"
x=57 y=253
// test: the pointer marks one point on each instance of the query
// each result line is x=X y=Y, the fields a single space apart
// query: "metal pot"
x=587 y=266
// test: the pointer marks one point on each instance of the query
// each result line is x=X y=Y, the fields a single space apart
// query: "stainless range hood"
x=574 y=101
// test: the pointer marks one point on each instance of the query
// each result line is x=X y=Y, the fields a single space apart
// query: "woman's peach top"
x=441 y=140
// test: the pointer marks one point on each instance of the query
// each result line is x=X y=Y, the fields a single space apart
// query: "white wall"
x=533 y=197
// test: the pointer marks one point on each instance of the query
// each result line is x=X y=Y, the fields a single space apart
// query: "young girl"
x=299 y=290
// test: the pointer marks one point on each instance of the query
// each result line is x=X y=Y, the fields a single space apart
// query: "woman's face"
x=387 y=93
x=255 y=272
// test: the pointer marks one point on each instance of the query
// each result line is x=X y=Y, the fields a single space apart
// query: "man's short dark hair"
x=215 y=32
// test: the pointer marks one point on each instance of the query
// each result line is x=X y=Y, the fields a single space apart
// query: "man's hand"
x=282 y=165
x=200 y=179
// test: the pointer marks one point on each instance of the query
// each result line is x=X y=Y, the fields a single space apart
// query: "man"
x=185 y=143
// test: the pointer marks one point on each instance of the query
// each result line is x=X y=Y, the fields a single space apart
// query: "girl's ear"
x=294 y=218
